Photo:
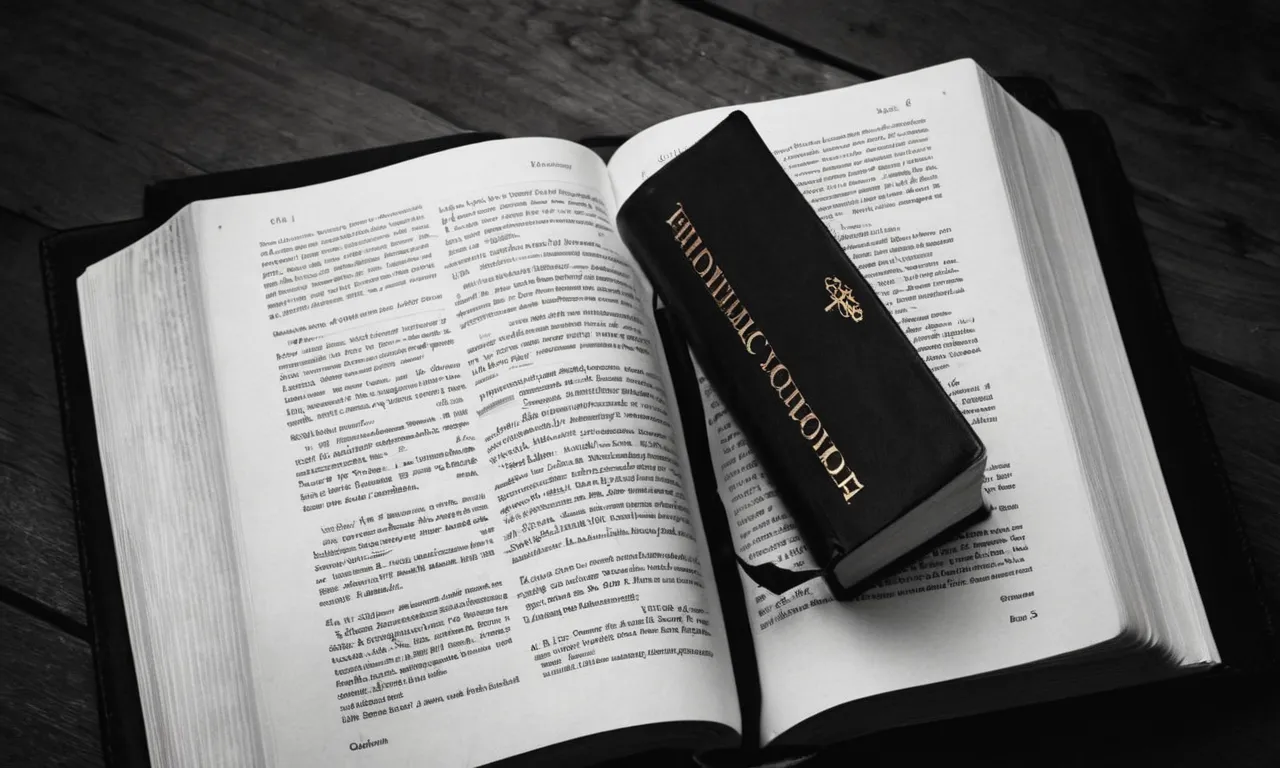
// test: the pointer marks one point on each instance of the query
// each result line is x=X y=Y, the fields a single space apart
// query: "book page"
x=903 y=171
x=465 y=517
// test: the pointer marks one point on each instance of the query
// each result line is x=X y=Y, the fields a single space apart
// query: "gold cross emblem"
x=842 y=298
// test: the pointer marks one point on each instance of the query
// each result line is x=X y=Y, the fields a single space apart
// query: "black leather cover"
x=816 y=371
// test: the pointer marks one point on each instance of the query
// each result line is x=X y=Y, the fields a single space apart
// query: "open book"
x=397 y=473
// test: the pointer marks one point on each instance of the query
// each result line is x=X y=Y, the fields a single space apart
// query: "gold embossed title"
x=717 y=284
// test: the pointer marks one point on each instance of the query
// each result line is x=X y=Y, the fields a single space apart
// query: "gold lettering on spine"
x=795 y=395
x=704 y=270
x=681 y=236
x=843 y=485
x=715 y=275
x=717 y=285
x=772 y=356
x=830 y=450
x=742 y=323
x=774 y=373
x=679 y=220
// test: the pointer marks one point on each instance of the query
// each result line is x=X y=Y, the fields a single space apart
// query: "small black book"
x=870 y=454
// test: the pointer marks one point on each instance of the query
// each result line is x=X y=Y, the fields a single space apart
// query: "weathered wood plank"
x=1225 y=308
x=48 y=710
x=1189 y=91
x=562 y=69
x=1247 y=430
x=170 y=89
x=38 y=555
x=70 y=175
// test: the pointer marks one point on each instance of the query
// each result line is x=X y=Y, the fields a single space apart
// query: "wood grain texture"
x=563 y=69
x=1191 y=92
x=38 y=555
x=48 y=711
x=157 y=90
x=1247 y=430
x=1225 y=308
x=70 y=174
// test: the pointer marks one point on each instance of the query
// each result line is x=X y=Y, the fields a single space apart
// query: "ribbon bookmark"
x=775 y=578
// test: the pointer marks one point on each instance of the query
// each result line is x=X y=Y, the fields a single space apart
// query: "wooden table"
x=98 y=99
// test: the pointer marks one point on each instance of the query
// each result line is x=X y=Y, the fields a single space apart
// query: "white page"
x=485 y=424
x=917 y=151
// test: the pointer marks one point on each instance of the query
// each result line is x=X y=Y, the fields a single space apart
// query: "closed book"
x=865 y=446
